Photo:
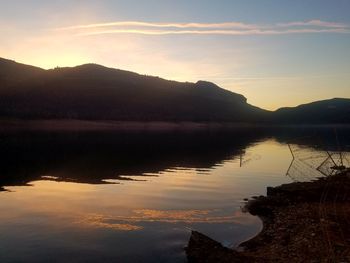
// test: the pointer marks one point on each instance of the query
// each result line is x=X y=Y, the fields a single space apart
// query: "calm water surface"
x=111 y=197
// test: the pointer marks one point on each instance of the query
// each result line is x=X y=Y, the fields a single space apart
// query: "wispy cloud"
x=316 y=23
x=212 y=32
x=163 y=25
x=226 y=28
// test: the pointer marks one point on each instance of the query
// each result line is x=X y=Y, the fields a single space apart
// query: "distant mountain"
x=335 y=110
x=94 y=92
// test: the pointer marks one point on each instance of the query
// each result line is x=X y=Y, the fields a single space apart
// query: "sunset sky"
x=275 y=52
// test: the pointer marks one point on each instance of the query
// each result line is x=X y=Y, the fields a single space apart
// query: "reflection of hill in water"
x=92 y=157
x=318 y=137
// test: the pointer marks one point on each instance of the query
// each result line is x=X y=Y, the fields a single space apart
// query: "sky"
x=275 y=52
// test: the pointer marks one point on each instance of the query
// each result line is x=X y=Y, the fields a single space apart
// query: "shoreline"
x=302 y=222
x=108 y=125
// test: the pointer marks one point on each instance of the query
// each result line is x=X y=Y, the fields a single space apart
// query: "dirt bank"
x=302 y=222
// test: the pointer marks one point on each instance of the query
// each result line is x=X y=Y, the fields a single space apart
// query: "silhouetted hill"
x=94 y=92
x=12 y=73
x=335 y=110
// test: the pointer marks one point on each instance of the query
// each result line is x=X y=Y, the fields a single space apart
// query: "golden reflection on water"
x=152 y=213
x=186 y=196
x=129 y=223
x=102 y=221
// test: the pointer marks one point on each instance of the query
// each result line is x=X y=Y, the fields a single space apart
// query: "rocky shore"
x=302 y=222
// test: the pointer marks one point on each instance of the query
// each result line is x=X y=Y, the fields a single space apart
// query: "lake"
x=117 y=196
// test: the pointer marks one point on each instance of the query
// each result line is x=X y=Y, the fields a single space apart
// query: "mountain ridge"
x=94 y=92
